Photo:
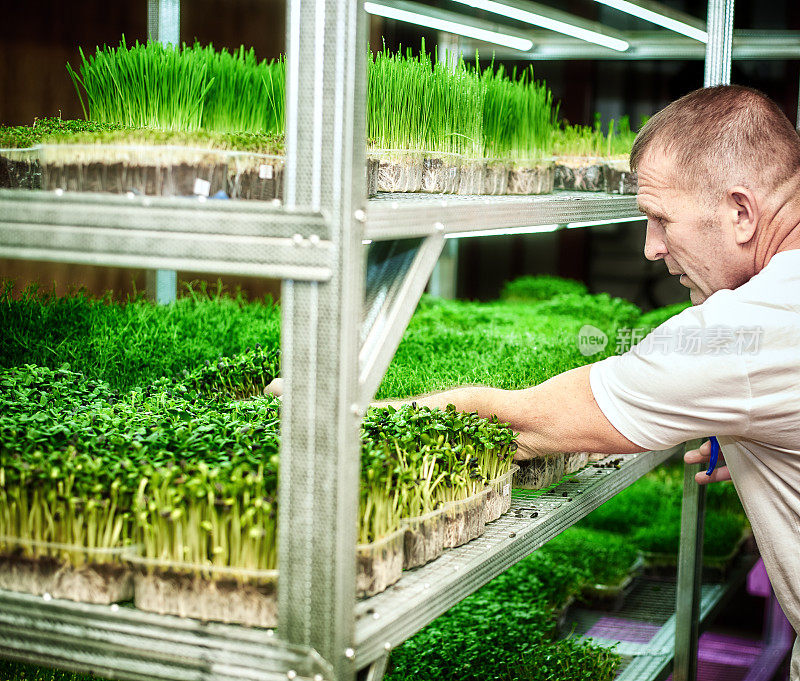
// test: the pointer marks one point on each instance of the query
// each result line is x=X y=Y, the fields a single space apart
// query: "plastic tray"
x=575 y=461
x=398 y=170
x=540 y=472
x=424 y=538
x=611 y=597
x=379 y=564
x=206 y=592
x=499 y=499
x=66 y=571
x=441 y=173
x=618 y=177
x=580 y=174
x=464 y=520
x=533 y=178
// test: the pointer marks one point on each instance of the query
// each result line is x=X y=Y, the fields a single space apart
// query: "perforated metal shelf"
x=653 y=602
x=396 y=216
x=257 y=238
x=221 y=237
x=386 y=620
x=124 y=643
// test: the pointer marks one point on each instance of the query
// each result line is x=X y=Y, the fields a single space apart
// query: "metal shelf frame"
x=335 y=350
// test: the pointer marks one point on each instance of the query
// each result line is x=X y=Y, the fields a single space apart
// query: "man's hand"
x=275 y=388
x=703 y=456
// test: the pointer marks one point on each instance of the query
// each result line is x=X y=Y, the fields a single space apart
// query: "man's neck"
x=779 y=225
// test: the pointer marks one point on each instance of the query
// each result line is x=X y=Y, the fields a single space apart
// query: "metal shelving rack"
x=344 y=310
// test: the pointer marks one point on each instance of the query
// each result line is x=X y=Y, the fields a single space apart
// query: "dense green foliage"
x=591 y=141
x=46 y=129
x=133 y=343
x=426 y=104
x=415 y=459
x=602 y=557
x=415 y=102
x=648 y=513
x=181 y=88
x=506 y=631
x=543 y=287
x=508 y=345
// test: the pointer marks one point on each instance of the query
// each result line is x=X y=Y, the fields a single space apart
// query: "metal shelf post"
x=164 y=25
x=318 y=490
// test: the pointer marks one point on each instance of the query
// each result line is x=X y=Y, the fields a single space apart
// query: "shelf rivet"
x=376 y=615
x=349 y=653
x=297 y=239
x=438 y=226
x=317 y=677
x=114 y=607
x=314 y=239
x=291 y=674
x=356 y=410
x=360 y=215
x=426 y=585
x=46 y=597
x=387 y=646
x=270 y=632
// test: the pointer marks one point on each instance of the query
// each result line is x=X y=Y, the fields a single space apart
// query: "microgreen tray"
x=379 y=563
x=499 y=499
x=66 y=571
x=611 y=597
x=464 y=520
x=424 y=538
x=206 y=592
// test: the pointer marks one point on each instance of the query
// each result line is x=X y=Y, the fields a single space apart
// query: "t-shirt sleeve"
x=683 y=381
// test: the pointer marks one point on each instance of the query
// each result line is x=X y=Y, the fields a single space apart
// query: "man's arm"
x=559 y=415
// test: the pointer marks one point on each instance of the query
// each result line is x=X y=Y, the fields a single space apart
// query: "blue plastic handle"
x=712 y=462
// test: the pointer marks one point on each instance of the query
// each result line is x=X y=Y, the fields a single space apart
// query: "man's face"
x=683 y=231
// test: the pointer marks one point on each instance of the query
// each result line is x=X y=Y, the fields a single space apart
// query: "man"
x=719 y=182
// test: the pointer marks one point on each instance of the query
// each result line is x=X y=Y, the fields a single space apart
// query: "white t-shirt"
x=731 y=368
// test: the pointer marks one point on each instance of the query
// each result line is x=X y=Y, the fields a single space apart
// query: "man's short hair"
x=722 y=136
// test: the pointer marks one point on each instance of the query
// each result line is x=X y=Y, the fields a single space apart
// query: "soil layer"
x=224 y=600
x=379 y=564
x=102 y=583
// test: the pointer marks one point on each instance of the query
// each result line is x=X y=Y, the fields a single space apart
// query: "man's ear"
x=742 y=213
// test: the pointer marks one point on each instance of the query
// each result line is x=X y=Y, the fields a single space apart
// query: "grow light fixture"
x=505 y=231
x=514 y=11
x=448 y=25
x=540 y=229
x=642 y=12
x=610 y=221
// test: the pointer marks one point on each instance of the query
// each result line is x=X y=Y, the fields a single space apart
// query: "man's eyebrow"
x=652 y=212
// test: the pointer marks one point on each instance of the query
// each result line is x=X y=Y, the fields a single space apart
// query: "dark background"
x=38 y=38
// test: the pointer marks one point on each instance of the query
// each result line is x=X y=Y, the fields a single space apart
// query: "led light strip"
x=407 y=16
x=656 y=18
x=548 y=23
x=539 y=229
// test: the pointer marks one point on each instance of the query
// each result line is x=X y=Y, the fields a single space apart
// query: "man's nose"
x=655 y=247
